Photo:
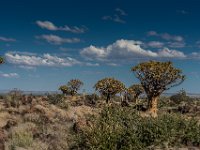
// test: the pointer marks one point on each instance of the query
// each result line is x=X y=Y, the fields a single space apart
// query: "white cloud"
x=92 y=64
x=4 y=39
x=112 y=64
x=166 y=36
x=52 y=27
x=27 y=67
x=176 y=44
x=117 y=17
x=171 y=53
x=9 y=75
x=198 y=44
x=195 y=55
x=57 y=40
x=121 y=11
x=94 y=52
x=152 y=33
x=44 y=60
x=183 y=12
x=155 y=44
x=124 y=50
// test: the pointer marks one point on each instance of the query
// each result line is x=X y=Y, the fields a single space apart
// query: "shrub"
x=57 y=99
x=22 y=139
x=22 y=136
x=91 y=99
x=121 y=128
x=180 y=97
x=13 y=98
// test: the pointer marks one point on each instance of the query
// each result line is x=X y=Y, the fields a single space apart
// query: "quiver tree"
x=156 y=77
x=64 y=89
x=136 y=90
x=109 y=87
x=74 y=86
x=1 y=60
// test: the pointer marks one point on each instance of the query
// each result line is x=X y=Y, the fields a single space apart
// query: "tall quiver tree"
x=109 y=87
x=136 y=90
x=156 y=77
x=74 y=86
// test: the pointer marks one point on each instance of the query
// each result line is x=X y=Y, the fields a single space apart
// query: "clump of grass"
x=22 y=136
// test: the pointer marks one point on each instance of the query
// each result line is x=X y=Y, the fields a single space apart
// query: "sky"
x=46 y=43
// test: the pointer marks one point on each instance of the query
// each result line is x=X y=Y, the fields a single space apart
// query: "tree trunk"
x=153 y=106
x=136 y=99
x=124 y=100
x=108 y=98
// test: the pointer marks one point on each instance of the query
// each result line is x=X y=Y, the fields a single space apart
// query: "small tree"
x=109 y=87
x=179 y=97
x=1 y=60
x=136 y=90
x=156 y=77
x=64 y=89
x=74 y=86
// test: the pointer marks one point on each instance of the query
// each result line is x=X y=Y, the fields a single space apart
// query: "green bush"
x=121 y=128
x=58 y=99
x=180 y=97
x=91 y=99
x=13 y=98
x=21 y=139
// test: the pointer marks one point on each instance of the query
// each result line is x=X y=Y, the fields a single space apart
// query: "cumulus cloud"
x=44 y=60
x=166 y=36
x=4 y=39
x=52 y=27
x=126 y=49
x=57 y=40
x=9 y=75
x=171 y=53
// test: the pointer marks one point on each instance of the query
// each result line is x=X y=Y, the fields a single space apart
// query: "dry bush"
x=21 y=136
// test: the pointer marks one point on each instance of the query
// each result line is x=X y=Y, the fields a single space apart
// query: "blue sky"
x=47 y=43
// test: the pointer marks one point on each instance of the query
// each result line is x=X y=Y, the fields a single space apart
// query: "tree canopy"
x=157 y=77
x=109 y=87
x=74 y=86
x=136 y=90
x=64 y=89
x=1 y=60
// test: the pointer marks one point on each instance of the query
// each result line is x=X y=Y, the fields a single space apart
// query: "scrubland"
x=62 y=122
